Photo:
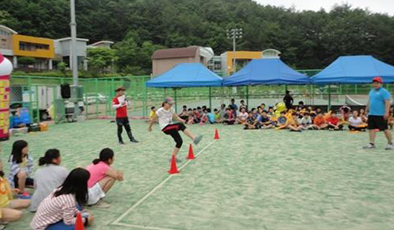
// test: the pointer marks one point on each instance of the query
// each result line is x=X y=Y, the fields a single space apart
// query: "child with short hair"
x=218 y=117
x=306 y=121
x=319 y=122
x=251 y=122
x=152 y=112
x=21 y=166
x=102 y=178
x=229 y=118
x=50 y=176
x=293 y=123
x=356 y=123
x=242 y=116
x=334 y=123
x=264 y=120
x=282 y=122
x=211 y=117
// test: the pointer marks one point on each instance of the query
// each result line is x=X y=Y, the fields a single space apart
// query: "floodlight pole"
x=74 y=61
x=234 y=34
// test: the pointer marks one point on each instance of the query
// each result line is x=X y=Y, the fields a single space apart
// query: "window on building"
x=22 y=46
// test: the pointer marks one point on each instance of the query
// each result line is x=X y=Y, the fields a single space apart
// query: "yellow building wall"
x=39 y=53
x=239 y=55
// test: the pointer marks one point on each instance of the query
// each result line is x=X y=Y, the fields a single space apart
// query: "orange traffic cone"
x=216 y=135
x=191 y=154
x=173 y=169
x=79 y=222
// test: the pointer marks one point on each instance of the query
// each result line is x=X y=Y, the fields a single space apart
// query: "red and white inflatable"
x=5 y=73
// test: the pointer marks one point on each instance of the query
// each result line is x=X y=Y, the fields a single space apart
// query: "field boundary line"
x=142 y=227
x=152 y=191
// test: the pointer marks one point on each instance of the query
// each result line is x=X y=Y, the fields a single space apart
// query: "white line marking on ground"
x=141 y=227
x=117 y=221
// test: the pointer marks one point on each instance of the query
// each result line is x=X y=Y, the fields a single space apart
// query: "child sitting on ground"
x=184 y=114
x=152 y=112
x=282 y=121
x=356 y=123
x=334 y=123
x=264 y=120
x=242 y=116
x=10 y=208
x=251 y=122
x=293 y=123
x=229 y=117
x=363 y=116
x=210 y=116
x=218 y=117
x=306 y=121
x=21 y=166
x=102 y=178
x=319 y=122
x=50 y=176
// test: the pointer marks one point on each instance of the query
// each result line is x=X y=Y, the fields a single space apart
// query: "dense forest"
x=306 y=39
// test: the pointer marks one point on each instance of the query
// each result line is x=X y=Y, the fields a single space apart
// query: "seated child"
x=218 y=117
x=58 y=210
x=270 y=111
x=50 y=176
x=306 y=121
x=264 y=120
x=345 y=114
x=319 y=122
x=293 y=123
x=211 y=116
x=184 y=114
x=356 y=123
x=102 y=178
x=229 y=118
x=242 y=116
x=190 y=120
x=251 y=122
x=334 y=123
x=204 y=117
x=152 y=112
x=282 y=121
x=363 y=116
x=197 y=115
x=21 y=166
x=10 y=208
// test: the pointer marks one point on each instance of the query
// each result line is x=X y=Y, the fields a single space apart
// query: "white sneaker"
x=369 y=146
x=389 y=147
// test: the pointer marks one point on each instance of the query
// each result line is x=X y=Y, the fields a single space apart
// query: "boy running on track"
x=120 y=103
x=166 y=114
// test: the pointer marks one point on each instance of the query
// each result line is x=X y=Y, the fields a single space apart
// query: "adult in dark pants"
x=166 y=114
x=378 y=108
x=288 y=100
x=120 y=103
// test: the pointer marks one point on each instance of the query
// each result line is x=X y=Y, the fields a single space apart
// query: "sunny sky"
x=378 y=6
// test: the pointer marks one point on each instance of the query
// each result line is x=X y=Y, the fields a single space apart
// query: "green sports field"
x=277 y=180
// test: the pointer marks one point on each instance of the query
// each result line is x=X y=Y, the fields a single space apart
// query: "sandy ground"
x=246 y=180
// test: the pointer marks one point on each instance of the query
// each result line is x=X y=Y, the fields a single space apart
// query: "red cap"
x=377 y=79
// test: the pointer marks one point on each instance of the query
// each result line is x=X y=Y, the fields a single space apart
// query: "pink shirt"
x=97 y=172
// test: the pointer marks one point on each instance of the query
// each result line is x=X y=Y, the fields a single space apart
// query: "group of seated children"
x=297 y=119
x=58 y=195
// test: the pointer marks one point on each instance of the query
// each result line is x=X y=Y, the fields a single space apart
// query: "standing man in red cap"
x=120 y=103
x=378 y=108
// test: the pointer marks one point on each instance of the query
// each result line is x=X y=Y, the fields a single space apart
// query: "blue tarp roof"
x=266 y=72
x=354 y=70
x=186 y=75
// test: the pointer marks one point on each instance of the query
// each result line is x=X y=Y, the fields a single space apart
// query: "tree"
x=26 y=61
x=99 y=59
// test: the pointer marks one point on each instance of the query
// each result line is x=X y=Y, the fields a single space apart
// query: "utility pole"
x=234 y=34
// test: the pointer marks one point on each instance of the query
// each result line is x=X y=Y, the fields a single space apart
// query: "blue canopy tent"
x=353 y=70
x=266 y=72
x=187 y=75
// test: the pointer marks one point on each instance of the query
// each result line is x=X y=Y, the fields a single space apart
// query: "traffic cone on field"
x=79 y=222
x=191 y=154
x=216 y=135
x=173 y=169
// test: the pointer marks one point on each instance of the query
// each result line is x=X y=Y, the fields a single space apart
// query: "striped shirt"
x=54 y=209
x=26 y=165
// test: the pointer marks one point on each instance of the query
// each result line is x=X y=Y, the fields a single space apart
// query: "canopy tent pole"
x=247 y=96
x=210 y=98
x=175 y=99
x=329 y=98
